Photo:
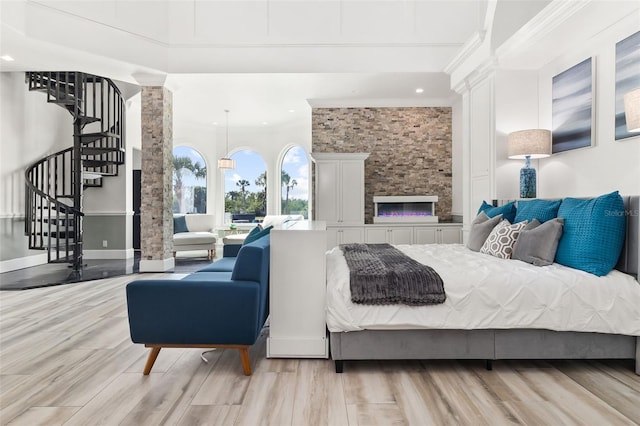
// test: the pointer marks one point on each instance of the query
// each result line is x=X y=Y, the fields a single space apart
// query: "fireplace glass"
x=405 y=209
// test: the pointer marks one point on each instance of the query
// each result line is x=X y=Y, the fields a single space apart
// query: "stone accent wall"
x=410 y=149
x=156 y=214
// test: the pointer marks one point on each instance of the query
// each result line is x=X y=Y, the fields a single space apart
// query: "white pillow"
x=502 y=238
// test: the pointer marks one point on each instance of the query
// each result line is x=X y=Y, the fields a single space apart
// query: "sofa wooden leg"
x=155 y=350
x=244 y=357
x=174 y=254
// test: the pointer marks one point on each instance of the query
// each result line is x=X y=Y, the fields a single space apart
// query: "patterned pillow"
x=508 y=211
x=502 y=239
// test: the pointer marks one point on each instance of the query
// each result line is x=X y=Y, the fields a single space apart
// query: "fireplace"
x=405 y=209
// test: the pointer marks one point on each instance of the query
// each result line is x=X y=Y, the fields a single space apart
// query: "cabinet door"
x=376 y=235
x=425 y=235
x=328 y=190
x=332 y=237
x=401 y=235
x=351 y=192
x=351 y=235
x=450 y=235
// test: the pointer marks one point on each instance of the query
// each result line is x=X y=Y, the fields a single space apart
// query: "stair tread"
x=103 y=134
x=97 y=163
x=98 y=150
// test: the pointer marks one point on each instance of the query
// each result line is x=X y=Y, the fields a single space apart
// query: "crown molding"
x=540 y=25
x=467 y=49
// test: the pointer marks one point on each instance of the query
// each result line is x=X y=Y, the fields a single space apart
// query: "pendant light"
x=226 y=162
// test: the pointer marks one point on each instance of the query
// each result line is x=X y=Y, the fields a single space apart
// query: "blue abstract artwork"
x=572 y=108
x=627 y=78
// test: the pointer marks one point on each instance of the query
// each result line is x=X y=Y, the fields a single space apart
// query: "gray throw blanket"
x=382 y=275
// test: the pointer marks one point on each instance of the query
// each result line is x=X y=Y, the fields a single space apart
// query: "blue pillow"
x=543 y=210
x=254 y=231
x=508 y=211
x=180 y=224
x=257 y=235
x=594 y=232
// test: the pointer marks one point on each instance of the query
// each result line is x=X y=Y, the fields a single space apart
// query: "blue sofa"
x=223 y=305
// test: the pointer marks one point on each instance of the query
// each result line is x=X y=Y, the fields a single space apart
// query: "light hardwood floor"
x=66 y=358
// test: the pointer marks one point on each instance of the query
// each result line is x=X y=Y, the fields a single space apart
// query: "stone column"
x=156 y=208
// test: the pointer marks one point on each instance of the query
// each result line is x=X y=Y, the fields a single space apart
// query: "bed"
x=495 y=309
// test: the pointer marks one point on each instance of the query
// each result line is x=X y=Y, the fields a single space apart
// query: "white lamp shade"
x=226 y=163
x=535 y=143
x=632 y=110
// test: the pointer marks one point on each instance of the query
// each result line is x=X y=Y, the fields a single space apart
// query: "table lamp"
x=528 y=144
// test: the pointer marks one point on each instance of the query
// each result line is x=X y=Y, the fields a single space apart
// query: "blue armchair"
x=219 y=309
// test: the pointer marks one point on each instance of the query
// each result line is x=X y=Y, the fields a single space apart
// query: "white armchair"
x=200 y=235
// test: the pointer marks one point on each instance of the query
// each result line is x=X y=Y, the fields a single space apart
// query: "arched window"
x=295 y=182
x=189 y=181
x=245 y=188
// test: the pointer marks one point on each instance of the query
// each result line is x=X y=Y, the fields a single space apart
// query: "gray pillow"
x=537 y=244
x=481 y=227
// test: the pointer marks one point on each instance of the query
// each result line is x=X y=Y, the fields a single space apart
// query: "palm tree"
x=261 y=181
x=180 y=164
x=288 y=184
x=243 y=183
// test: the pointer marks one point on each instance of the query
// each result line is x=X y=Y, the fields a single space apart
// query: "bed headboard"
x=630 y=257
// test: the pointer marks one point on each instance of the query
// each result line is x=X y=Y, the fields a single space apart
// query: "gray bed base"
x=496 y=344
x=488 y=345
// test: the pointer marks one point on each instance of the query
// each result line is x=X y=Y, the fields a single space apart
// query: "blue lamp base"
x=527 y=180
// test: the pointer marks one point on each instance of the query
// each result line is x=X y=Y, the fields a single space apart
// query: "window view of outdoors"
x=295 y=182
x=189 y=181
x=245 y=188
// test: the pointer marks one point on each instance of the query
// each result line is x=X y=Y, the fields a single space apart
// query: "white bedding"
x=486 y=292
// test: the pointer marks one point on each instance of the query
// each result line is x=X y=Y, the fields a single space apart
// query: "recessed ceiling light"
x=419 y=90
x=215 y=123
x=6 y=58
x=264 y=123
x=292 y=110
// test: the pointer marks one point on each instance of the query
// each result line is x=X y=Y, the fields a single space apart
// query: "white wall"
x=609 y=165
x=30 y=128
x=516 y=109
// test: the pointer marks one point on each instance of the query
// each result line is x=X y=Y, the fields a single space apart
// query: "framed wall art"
x=627 y=79
x=572 y=107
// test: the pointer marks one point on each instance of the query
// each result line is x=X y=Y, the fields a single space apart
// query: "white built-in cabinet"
x=337 y=235
x=441 y=234
x=339 y=188
x=389 y=234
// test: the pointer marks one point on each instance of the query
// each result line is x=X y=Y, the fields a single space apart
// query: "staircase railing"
x=55 y=184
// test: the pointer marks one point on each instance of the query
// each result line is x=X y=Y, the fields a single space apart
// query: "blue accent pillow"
x=180 y=224
x=250 y=238
x=594 y=232
x=543 y=210
x=253 y=231
x=508 y=211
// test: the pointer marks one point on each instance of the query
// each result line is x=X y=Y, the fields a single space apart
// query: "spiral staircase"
x=55 y=184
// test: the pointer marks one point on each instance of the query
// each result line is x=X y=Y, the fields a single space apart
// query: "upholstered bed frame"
x=495 y=344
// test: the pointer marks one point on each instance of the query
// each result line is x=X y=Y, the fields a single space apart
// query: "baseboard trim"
x=108 y=254
x=157 y=265
x=23 y=262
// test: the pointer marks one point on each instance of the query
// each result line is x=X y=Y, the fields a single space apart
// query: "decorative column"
x=156 y=204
